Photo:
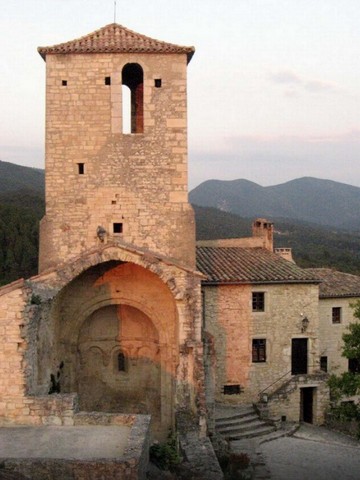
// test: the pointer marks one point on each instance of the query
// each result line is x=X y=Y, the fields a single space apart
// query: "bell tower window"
x=133 y=78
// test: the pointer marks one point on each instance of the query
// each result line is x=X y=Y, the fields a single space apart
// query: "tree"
x=348 y=383
x=351 y=348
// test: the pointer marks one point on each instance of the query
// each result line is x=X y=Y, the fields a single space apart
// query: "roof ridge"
x=115 y=38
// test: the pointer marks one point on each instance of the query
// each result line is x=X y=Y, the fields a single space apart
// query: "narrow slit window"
x=121 y=362
x=157 y=82
x=133 y=78
x=64 y=83
x=81 y=168
x=117 y=228
x=324 y=364
x=107 y=80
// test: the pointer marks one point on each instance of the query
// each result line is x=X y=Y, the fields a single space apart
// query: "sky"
x=273 y=87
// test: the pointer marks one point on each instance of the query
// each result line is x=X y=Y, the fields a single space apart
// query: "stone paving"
x=313 y=453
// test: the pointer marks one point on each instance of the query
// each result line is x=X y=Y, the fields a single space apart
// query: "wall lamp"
x=304 y=324
x=101 y=233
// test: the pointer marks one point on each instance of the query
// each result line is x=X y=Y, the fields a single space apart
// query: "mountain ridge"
x=321 y=201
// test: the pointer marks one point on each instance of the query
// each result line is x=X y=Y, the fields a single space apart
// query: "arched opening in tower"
x=133 y=78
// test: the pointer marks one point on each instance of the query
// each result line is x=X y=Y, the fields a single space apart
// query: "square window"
x=232 y=389
x=324 y=364
x=259 y=350
x=157 y=82
x=336 y=315
x=117 y=227
x=258 y=301
x=64 y=83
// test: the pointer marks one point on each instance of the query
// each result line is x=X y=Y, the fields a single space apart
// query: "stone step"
x=232 y=412
x=224 y=422
x=240 y=427
x=264 y=430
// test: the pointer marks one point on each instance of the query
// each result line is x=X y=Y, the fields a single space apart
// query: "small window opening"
x=81 y=168
x=117 y=228
x=232 y=389
x=133 y=78
x=121 y=362
x=113 y=202
x=157 y=82
x=324 y=364
x=107 y=80
x=64 y=83
x=336 y=315
x=259 y=350
x=258 y=301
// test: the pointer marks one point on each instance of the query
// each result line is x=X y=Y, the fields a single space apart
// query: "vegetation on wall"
x=348 y=383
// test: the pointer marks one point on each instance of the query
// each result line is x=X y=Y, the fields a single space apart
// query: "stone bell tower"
x=119 y=295
x=116 y=147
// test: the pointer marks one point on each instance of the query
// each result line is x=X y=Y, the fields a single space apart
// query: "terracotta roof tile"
x=115 y=38
x=335 y=283
x=248 y=265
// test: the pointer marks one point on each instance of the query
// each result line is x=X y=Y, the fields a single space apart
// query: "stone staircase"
x=239 y=422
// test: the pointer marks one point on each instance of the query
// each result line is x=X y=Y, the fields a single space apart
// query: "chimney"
x=264 y=229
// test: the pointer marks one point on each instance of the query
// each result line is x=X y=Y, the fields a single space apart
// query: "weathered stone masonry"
x=113 y=321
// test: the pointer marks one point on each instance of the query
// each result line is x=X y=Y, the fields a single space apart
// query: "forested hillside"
x=22 y=207
x=312 y=246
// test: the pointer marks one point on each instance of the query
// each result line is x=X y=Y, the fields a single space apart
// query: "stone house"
x=338 y=291
x=113 y=320
x=261 y=327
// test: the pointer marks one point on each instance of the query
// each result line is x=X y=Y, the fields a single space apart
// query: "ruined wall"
x=138 y=180
x=65 y=328
x=330 y=334
x=230 y=320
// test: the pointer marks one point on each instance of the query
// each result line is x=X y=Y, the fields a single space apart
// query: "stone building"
x=338 y=291
x=261 y=320
x=113 y=320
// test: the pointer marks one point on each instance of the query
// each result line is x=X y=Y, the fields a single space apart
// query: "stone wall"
x=48 y=321
x=330 y=334
x=233 y=325
x=131 y=465
x=286 y=400
x=138 y=180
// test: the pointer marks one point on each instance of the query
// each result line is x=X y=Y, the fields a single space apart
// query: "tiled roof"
x=248 y=265
x=115 y=38
x=336 y=284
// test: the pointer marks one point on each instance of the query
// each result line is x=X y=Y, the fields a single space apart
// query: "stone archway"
x=119 y=368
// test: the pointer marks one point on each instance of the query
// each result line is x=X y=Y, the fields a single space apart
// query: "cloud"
x=286 y=76
x=300 y=83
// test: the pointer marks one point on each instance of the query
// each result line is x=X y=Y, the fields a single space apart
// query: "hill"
x=14 y=178
x=21 y=208
x=312 y=246
x=322 y=202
